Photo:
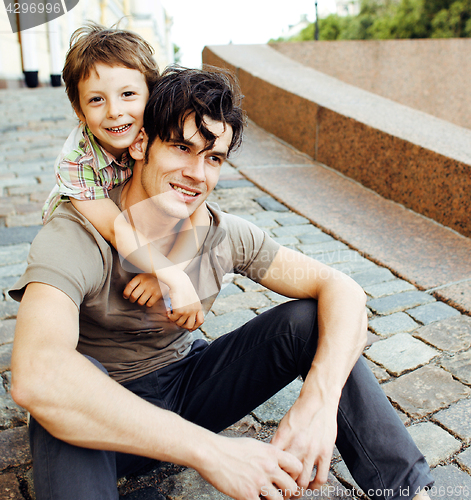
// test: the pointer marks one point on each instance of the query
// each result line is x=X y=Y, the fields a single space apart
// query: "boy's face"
x=112 y=102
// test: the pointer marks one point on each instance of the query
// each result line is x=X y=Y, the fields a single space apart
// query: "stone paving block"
x=451 y=483
x=342 y=472
x=287 y=240
x=292 y=220
x=322 y=247
x=388 y=288
x=273 y=410
x=425 y=390
x=380 y=373
x=8 y=309
x=33 y=219
x=400 y=353
x=5 y=356
x=399 y=302
x=248 y=285
x=229 y=289
x=457 y=419
x=459 y=365
x=11 y=415
x=13 y=254
x=233 y=184
x=265 y=222
x=269 y=203
x=308 y=239
x=12 y=270
x=6 y=283
x=435 y=443
x=18 y=181
x=464 y=459
x=451 y=334
x=7 y=331
x=219 y=325
x=15 y=235
x=337 y=256
x=394 y=323
x=247 y=300
x=296 y=230
x=189 y=484
x=353 y=268
x=9 y=487
x=14 y=447
x=147 y=493
x=373 y=276
x=429 y=313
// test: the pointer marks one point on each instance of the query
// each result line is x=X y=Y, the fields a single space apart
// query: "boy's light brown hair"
x=92 y=44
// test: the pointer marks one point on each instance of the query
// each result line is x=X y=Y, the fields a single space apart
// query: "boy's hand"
x=186 y=310
x=143 y=289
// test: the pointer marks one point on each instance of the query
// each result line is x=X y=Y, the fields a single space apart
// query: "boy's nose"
x=114 y=110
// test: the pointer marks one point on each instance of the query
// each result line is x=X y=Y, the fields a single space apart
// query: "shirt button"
x=88 y=194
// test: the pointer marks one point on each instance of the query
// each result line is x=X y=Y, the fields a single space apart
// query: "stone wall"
x=430 y=75
x=401 y=153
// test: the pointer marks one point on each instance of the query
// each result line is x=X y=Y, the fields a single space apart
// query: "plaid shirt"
x=85 y=171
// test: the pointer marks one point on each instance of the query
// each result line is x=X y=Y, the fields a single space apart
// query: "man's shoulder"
x=67 y=253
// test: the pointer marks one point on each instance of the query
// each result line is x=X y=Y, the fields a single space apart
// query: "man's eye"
x=182 y=147
x=215 y=159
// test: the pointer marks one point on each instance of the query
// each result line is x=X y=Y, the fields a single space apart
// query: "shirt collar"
x=103 y=157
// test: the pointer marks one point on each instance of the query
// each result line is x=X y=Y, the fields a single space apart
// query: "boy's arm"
x=79 y=404
x=109 y=221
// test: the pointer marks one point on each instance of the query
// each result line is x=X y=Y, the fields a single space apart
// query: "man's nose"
x=195 y=169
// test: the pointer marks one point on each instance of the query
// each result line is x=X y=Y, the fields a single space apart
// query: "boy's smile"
x=112 y=102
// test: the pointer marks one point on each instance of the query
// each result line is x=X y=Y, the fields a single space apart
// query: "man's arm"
x=309 y=429
x=79 y=404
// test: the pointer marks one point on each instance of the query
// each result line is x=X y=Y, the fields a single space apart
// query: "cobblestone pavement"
x=419 y=348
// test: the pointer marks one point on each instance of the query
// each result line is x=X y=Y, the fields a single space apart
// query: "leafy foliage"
x=392 y=19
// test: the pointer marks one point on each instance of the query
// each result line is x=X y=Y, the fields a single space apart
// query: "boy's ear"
x=80 y=115
x=137 y=149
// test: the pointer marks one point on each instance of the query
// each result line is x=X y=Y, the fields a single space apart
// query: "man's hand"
x=246 y=469
x=309 y=432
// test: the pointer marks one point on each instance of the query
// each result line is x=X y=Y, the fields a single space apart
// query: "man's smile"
x=183 y=190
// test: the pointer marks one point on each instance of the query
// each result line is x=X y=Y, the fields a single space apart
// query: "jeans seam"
x=362 y=448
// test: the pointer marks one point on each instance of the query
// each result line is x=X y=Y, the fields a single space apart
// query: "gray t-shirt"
x=128 y=339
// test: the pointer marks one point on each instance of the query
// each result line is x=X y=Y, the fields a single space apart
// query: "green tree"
x=389 y=19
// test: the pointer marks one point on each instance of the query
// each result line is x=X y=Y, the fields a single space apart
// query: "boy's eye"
x=96 y=99
x=129 y=93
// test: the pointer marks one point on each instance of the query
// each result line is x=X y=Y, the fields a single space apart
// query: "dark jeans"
x=219 y=383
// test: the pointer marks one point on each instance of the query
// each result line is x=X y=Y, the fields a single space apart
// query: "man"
x=110 y=383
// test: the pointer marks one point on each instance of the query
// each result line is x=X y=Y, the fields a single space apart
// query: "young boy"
x=108 y=75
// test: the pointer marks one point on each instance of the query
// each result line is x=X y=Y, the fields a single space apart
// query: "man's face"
x=112 y=102
x=180 y=174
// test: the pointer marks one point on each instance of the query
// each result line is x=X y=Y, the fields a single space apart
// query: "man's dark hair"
x=182 y=92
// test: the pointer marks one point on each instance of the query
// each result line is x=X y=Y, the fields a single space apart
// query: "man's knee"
x=300 y=316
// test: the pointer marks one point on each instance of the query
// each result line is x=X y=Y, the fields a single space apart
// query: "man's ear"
x=137 y=149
